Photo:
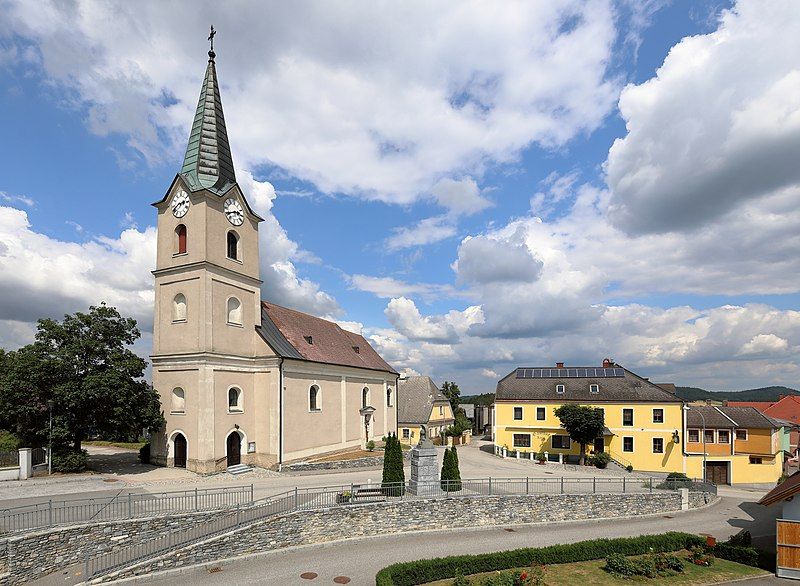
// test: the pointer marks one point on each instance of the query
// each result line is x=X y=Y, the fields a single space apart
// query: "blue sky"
x=472 y=190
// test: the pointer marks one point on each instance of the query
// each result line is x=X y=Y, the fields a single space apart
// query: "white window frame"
x=521 y=414
x=630 y=437
x=594 y=388
x=514 y=439
x=389 y=395
x=689 y=435
x=736 y=435
x=719 y=438
x=318 y=399
x=713 y=437
x=633 y=420
x=176 y=317
x=239 y=407
x=662 y=415
x=406 y=433
x=560 y=389
x=229 y=312
x=661 y=439
x=173 y=395
x=555 y=435
x=365 y=397
x=544 y=413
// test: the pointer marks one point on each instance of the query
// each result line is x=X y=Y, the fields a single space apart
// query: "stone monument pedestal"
x=424 y=469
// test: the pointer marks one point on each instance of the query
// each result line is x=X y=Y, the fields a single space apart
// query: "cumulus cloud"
x=486 y=260
x=403 y=314
x=336 y=95
x=718 y=126
x=460 y=196
x=387 y=287
x=427 y=231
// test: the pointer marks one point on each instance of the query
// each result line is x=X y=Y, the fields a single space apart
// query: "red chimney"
x=608 y=363
x=559 y=365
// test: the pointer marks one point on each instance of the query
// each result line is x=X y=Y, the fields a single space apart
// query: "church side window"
x=233 y=245
x=364 y=397
x=234 y=311
x=388 y=397
x=179 y=308
x=178 y=400
x=235 y=399
x=180 y=239
x=314 y=403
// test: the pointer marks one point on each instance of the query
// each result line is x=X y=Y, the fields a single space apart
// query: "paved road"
x=361 y=559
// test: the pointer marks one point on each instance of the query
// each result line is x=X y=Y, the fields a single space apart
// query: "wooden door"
x=179 y=445
x=599 y=445
x=717 y=472
x=788 y=544
x=234 y=449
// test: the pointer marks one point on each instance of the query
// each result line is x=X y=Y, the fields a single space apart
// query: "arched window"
x=314 y=403
x=389 y=397
x=178 y=400
x=234 y=311
x=364 y=397
x=233 y=245
x=179 y=307
x=235 y=399
x=180 y=239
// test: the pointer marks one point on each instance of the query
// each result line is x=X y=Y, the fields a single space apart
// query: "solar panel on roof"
x=590 y=372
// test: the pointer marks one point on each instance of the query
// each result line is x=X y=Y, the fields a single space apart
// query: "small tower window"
x=179 y=308
x=235 y=399
x=178 y=400
x=233 y=245
x=234 y=311
x=388 y=397
x=180 y=239
x=313 y=399
x=364 y=397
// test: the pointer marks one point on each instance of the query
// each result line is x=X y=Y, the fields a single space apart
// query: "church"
x=243 y=380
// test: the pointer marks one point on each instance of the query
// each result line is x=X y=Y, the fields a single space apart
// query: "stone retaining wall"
x=369 y=462
x=309 y=527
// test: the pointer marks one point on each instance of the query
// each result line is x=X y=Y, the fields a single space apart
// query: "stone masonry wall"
x=365 y=520
x=368 y=462
x=35 y=554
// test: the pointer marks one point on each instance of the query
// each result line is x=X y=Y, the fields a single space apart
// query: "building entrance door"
x=234 y=449
x=717 y=472
x=179 y=446
x=599 y=445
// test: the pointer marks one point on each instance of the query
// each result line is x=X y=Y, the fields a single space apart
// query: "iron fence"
x=121 y=506
x=325 y=497
x=38 y=456
x=9 y=459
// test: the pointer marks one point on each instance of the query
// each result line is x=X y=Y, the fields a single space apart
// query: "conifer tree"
x=455 y=473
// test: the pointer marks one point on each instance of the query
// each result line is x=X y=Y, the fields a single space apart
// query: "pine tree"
x=393 y=474
x=455 y=473
x=387 y=460
x=447 y=470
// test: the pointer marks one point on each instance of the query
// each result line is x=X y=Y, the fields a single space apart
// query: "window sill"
x=234 y=325
x=179 y=321
x=235 y=411
x=177 y=412
x=315 y=410
x=236 y=260
x=177 y=254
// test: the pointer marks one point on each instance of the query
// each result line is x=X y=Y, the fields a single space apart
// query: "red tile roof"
x=760 y=405
x=328 y=343
x=788 y=408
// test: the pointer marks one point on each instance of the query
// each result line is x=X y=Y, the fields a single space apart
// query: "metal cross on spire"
x=211 y=38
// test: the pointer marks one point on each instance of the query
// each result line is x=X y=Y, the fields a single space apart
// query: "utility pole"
x=50 y=440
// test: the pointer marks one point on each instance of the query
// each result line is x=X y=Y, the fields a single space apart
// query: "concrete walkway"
x=361 y=559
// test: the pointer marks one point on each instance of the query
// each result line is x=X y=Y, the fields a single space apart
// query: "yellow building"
x=645 y=425
x=421 y=403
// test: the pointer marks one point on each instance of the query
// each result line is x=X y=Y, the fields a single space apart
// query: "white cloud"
x=484 y=260
x=336 y=95
x=717 y=127
x=427 y=231
x=460 y=197
x=403 y=314
x=17 y=199
x=387 y=287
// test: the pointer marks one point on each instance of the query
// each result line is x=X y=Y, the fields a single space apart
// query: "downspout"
x=280 y=417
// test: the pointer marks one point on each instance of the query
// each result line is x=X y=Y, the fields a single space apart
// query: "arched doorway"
x=179 y=449
x=234 y=449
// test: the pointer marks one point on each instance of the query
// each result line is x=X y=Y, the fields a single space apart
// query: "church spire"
x=208 y=163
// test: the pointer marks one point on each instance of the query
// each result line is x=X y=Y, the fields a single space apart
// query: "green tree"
x=583 y=424
x=450 y=476
x=393 y=474
x=84 y=368
x=453 y=393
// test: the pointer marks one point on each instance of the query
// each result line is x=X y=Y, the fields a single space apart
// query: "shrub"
x=423 y=571
x=618 y=564
x=601 y=459
x=741 y=539
x=700 y=556
x=370 y=446
x=144 y=454
x=460 y=580
x=739 y=554
x=69 y=461
x=393 y=474
x=629 y=468
x=8 y=441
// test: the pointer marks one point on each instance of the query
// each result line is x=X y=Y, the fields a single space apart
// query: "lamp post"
x=703 y=419
x=50 y=440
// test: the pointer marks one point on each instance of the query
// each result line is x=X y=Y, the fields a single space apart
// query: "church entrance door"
x=179 y=446
x=234 y=449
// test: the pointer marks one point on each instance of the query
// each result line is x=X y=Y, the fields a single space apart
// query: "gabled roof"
x=208 y=163
x=760 y=405
x=298 y=335
x=621 y=385
x=786 y=489
x=416 y=396
x=727 y=416
x=788 y=408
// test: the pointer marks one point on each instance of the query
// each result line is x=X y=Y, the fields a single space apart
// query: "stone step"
x=239 y=469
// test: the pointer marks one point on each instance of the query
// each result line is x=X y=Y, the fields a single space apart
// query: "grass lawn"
x=125 y=445
x=592 y=573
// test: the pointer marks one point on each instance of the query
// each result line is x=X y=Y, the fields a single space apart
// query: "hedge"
x=424 y=571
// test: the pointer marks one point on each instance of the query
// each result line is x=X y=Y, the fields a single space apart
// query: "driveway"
x=360 y=559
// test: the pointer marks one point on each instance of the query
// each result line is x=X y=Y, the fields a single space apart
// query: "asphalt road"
x=360 y=559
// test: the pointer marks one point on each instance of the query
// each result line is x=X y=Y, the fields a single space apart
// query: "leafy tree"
x=583 y=424
x=453 y=393
x=84 y=368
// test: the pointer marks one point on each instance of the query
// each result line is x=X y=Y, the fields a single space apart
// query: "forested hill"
x=762 y=394
x=688 y=393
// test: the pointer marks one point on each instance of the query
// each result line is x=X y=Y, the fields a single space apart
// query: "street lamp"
x=703 y=419
x=50 y=440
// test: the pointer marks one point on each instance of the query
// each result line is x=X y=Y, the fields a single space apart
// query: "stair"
x=239 y=469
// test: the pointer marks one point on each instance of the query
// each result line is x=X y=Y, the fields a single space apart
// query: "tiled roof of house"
x=298 y=335
x=416 y=396
x=760 y=405
x=727 y=416
x=788 y=409
x=786 y=489
x=624 y=386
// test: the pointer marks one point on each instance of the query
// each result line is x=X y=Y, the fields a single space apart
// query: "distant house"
x=420 y=402
x=785 y=409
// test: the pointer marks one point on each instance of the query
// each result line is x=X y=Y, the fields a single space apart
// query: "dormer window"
x=309 y=340
x=356 y=349
x=594 y=389
x=560 y=389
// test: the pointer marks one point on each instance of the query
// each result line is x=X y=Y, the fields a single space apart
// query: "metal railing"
x=9 y=459
x=325 y=497
x=38 y=456
x=121 y=506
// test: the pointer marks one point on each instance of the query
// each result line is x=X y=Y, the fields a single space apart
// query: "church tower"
x=208 y=359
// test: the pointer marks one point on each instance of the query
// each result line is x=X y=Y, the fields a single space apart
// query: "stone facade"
x=309 y=527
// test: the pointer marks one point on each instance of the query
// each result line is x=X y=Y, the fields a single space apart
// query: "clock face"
x=180 y=204
x=234 y=212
